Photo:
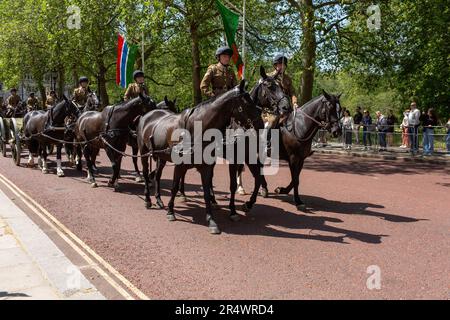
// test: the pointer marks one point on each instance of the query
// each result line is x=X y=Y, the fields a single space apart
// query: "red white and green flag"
x=126 y=57
x=231 y=23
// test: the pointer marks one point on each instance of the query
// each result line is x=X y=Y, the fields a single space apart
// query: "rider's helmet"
x=137 y=74
x=83 y=79
x=280 y=58
x=31 y=94
x=224 y=50
x=13 y=90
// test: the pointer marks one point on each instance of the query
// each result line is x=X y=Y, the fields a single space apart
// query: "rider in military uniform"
x=220 y=77
x=32 y=103
x=80 y=94
x=280 y=63
x=51 y=99
x=134 y=89
x=12 y=103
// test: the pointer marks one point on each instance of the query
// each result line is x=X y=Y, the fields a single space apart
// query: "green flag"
x=230 y=23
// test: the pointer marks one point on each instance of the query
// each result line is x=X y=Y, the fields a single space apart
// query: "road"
x=361 y=213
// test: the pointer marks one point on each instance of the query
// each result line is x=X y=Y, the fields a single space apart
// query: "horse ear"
x=175 y=101
x=166 y=100
x=65 y=98
x=339 y=96
x=263 y=73
x=242 y=86
x=326 y=95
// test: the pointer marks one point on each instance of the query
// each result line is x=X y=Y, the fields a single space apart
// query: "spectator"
x=382 y=129
x=429 y=122
x=404 y=127
x=367 y=128
x=391 y=121
x=357 y=122
x=447 y=140
x=413 y=128
x=347 y=125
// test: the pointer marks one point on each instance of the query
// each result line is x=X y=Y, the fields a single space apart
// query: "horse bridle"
x=274 y=103
x=240 y=109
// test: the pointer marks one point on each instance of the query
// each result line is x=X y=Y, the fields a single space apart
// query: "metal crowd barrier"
x=395 y=141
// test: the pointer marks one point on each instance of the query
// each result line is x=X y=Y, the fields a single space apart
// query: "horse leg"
x=44 y=159
x=30 y=163
x=78 y=162
x=296 y=168
x=255 y=170
x=180 y=170
x=87 y=151
x=214 y=203
x=145 y=170
x=160 y=164
x=59 y=170
x=182 y=195
x=116 y=160
x=139 y=178
x=94 y=155
x=240 y=189
x=232 y=169
x=207 y=173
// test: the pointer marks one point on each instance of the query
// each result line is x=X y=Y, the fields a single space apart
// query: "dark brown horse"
x=297 y=133
x=155 y=134
x=43 y=129
x=109 y=130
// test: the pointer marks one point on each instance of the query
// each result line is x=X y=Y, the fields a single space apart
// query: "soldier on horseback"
x=134 y=89
x=12 y=103
x=280 y=63
x=80 y=94
x=220 y=77
x=51 y=100
x=32 y=103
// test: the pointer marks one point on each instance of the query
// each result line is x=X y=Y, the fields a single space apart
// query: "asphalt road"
x=361 y=213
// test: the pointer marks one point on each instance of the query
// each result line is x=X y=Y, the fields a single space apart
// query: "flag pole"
x=143 y=52
x=243 y=42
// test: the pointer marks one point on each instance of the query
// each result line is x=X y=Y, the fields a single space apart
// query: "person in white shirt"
x=413 y=128
x=347 y=124
x=404 y=126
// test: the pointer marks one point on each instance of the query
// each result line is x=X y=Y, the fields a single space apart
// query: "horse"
x=92 y=104
x=109 y=130
x=166 y=104
x=155 y=131
x=298 y=131
x=46 y=128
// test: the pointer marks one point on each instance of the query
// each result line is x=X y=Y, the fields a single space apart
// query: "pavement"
x=31 y=266
x=393 y=154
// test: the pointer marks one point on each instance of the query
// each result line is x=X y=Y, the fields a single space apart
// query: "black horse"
x=155 y=134
x=109 y=130
x=43 y=129
x=166 y=104
x=297 y=133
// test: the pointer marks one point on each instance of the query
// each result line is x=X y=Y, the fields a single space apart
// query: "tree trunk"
x=309 y=44
x=102 y=92
x=61 y=81
x=195 y=63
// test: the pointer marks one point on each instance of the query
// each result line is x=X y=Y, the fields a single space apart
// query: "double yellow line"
x=120 y=283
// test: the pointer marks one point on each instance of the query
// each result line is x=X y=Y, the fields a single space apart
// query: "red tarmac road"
x=361 y=213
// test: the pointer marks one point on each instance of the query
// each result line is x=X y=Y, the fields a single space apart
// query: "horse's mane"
x=311 y=102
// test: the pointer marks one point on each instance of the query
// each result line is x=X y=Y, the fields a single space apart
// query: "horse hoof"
x=45 y=171
x=148 y=205
x=214 y=230
x=301 y=207
x=160 y=204
x=139 y=179
x=181 y=198
x=246 y=207
x=60 y=173
x=171 y=217
x=278 y=190
x=264 y=193
x=241 y=191
x=94 y=185
x=235 y=217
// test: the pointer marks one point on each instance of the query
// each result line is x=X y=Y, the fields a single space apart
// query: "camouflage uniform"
x=80 y=95
x=32 y=103
x=285 y=81
x=133 y=91
x=220 y=78
x=50 y=101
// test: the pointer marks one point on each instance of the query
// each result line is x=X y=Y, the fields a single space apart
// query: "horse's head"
x=330 y=113
x=167 y=104
x=245 y=112
x=92 y=102
x=268 y=95
x=147 y=103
